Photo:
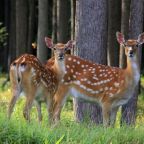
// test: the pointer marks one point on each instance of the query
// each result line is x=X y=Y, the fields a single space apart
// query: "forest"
x=104 y=39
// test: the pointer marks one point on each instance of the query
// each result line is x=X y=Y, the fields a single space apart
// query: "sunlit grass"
x=17 y=130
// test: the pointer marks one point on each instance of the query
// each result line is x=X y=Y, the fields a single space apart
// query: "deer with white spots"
x=111 y=87
x=60 y=49
x=38 y=83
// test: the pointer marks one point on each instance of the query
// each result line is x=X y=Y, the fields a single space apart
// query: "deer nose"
x=131 y=53
x=61 y=57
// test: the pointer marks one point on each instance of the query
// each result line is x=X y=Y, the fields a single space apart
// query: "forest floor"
x=18 y=131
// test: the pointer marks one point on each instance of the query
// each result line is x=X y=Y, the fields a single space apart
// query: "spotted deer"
x=38 y=83
x=110 y=86
x=60 y=49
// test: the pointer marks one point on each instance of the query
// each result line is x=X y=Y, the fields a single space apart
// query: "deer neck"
x=133 y=70
x=59 y=68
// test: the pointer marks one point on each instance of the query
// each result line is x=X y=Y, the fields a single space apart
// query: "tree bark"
x=6 y=24
x=91 y=43
x=21 y=26
x=124 y=29
x=135 y=28
x=42 y=50
x=54 y=21
x=31 y=25
x=114 y=24
x=73 y=10
x=12 y=33
x=63 y=21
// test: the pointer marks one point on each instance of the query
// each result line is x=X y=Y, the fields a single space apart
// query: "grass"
x=18 y=131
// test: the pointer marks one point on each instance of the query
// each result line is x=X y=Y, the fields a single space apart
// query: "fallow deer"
x=110 y=86
x=38 y=83
x=60 y=49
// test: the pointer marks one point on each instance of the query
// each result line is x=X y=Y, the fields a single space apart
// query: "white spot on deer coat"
x=74 y=76
x=72 y=70
x=89 y=82
x=78 y=62
x=106 y=88
x=82 y=66
x=116 y=84
x=67 y=66
x=95 y=78
x=23 y=60
x=69 y=58
x=74 y=60
x=78 y=82
x=73 y=66
x=111 y=95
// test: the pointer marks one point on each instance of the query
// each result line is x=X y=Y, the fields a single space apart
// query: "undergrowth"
x=18 y=131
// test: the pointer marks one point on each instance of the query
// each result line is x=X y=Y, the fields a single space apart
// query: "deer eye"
x=66 y=48
x=137 y=45
x=54 y=48
x=14 y=64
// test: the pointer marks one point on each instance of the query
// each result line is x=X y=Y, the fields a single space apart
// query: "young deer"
x=111 y=87
x=38 y=83
x=58 y=65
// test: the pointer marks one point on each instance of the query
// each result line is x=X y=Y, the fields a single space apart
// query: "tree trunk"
x=4 y=55
x=31 y=25
x=63 y=20
x=2 y=49
x=12 y=32
x=73 y=9
x=91 y=43
x=42 y=50
x=21 y=26
x=124 y=29
x=135 y=28
x=114 y=24
x=54 y=21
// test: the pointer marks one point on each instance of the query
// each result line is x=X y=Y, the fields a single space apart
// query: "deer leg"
x=16 y=93
x=106 y=114
x=57 y=111
x=59 y=100
x=28 y=105
x=50 y=103
x=38 y=106
x=113 y=116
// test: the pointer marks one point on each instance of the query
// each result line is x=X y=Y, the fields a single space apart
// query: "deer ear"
x=70 y=44
x=140 y=39
x=120 y=37
x=49 y=42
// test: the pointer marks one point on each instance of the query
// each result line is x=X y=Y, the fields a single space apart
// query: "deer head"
x=130 y=45
x=59 y=48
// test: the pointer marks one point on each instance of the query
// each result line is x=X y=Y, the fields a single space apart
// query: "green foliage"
x=18 y=131
x=3 y=35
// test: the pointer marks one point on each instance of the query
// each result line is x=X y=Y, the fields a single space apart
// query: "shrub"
x=3 y=35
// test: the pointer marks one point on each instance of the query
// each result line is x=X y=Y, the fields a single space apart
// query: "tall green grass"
x=18 y=131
